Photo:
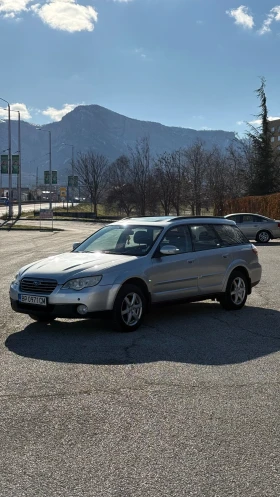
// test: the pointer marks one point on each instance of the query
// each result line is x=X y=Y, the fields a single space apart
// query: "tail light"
x=255 y=250
x=278 y=225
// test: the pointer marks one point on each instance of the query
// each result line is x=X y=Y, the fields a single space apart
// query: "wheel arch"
x=141 y=284
x=245 y=271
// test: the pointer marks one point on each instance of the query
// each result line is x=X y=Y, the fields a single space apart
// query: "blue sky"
x=189 y=63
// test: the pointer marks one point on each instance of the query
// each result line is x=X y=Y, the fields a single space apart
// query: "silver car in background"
x=256 y=227
x=125 y=267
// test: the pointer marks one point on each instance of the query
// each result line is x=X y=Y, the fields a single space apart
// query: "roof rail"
x=179 y=218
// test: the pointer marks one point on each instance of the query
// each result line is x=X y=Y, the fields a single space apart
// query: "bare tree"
x=180 y=196
x=217 y=180
x=164 y=181
x=196 y=160
x=92 y=170
x=140 y=173
x=121 y=190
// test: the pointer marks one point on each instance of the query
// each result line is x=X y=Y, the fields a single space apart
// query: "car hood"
x=62 y=267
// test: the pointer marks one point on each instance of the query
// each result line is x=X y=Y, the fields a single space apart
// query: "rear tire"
x=263 y=236
x=236 y=293
x=44 y=318
x=129 y=308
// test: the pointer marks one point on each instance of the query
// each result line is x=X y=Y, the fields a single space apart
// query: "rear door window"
x=230 y=235
x=247 y=218
x=204 y=237
x=178 y=237
x=234 y=218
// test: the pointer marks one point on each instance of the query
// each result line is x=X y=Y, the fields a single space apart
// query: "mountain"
x=101 y=130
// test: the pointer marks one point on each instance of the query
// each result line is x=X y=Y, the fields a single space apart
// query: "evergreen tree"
x=264 y=178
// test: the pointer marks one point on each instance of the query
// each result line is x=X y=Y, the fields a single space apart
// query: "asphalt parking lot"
x=186 y=406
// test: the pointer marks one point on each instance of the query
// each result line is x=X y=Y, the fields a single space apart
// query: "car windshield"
x=122 y=240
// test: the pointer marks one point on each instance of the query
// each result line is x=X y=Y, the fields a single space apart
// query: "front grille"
x=32 y=285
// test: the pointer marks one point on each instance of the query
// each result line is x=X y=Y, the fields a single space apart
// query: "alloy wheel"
x=131 y=309
x=238 y=291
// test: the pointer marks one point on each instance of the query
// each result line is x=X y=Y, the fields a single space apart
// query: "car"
x=4 y=201
x=125 y=267
x=256 y=227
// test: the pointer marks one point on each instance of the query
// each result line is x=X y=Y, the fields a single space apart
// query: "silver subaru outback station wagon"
x=126 y=266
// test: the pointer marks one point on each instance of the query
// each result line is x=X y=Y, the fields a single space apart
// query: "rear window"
x=230 y=235
x=260 y=219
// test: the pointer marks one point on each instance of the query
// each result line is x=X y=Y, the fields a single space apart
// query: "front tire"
x=129 y=308
x=43 y=318
x=236 y=293
x=263 y=236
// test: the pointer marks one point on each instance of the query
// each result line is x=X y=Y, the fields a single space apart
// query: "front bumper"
x=64 y=303
x=66 y=311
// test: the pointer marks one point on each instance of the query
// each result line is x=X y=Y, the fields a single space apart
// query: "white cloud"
x=66 y=15
x=274 y=15
x=122 y=1
x=24 y=111
x=13 y=6
x=257 y=122
x=58 y=114
x=240 y=123
x=140 y=52
x=241 y=17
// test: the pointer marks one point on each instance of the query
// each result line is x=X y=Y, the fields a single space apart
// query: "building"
x=275 y=132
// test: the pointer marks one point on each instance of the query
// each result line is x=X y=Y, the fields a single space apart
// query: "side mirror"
x=76 y=244
x=169 y=250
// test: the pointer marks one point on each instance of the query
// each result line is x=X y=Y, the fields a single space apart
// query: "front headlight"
x=16 y=280
x=80 y=283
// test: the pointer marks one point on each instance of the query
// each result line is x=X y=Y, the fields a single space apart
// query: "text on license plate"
x=32 y=299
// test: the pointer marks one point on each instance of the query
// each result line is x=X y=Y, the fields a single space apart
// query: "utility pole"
x=50 y=163
x=9 y=159
x=72 y=188
x=19 y=161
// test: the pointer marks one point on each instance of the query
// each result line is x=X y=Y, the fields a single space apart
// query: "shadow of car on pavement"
x=200 y=333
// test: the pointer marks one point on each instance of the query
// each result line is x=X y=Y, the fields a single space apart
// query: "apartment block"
x=275 y=133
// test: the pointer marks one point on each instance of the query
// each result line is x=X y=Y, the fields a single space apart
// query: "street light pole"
x=72 y=175
x=19 y=161
x=50 y=168
x=72 y=190
x=19 y=165
x=50 y=163
x=10 y=159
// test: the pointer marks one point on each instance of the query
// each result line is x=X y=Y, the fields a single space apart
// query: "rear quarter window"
x=230 y=235
x=259 y=219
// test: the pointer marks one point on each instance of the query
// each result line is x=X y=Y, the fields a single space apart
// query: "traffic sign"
x=15 y=164
x=54 y=177
x=63 y=191
x=47 y=177
x=4 y=164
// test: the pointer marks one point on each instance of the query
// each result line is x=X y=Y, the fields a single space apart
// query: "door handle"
x=191 y=261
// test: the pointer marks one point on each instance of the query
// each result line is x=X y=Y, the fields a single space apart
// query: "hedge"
x=267 y=205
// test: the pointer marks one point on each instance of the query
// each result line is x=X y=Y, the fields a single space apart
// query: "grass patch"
x=87 y=207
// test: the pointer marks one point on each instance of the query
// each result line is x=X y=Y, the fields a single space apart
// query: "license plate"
x=32 y=299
